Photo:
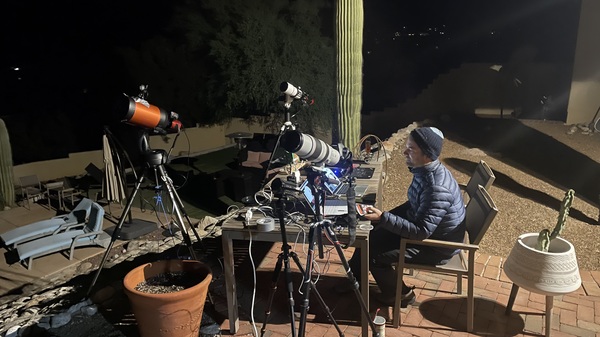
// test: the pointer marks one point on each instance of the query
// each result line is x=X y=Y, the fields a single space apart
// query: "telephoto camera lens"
x=310 y=148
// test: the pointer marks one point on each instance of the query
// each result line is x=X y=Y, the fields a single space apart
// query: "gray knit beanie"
x=430 y=141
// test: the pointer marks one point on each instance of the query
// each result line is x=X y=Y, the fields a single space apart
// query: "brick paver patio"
x=437 y=312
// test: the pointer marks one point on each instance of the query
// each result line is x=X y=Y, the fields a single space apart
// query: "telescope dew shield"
x=290 y=90
x=147 y=115
x=310 y=148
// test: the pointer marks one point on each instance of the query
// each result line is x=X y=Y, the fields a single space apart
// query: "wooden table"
x=234 y=230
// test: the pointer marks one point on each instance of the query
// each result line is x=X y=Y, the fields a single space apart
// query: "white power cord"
x=254 y=287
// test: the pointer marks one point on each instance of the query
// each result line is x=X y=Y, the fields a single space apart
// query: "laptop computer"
x=342 y=188
x=332 y=206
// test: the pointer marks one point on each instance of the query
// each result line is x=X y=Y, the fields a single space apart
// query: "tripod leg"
x=307 y=280
x=285 y=257
x=280 y=260
x=274 y=282
x=290 y=288
x=338 y=247
x=117 y=231
x=176 y=208
x=188 y=219
x=318 y=295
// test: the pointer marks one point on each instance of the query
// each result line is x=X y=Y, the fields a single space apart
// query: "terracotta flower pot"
x=174 y=314
x=549 y=273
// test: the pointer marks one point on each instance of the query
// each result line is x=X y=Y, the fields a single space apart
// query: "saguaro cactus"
x=545 y=236
x=7 y=186
x=349 y=44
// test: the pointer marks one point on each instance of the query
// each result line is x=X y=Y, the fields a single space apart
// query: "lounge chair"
x=90 y=235
x=55 y=225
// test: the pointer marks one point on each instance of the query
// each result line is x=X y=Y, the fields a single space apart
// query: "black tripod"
x=287 y=125
x=317 y=229
x=154 y=159
x=284 y=258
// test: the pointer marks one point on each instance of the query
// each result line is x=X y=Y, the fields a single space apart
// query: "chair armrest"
x=67 y=227
x=442 y=244
x=74 y=241
x=85 y=235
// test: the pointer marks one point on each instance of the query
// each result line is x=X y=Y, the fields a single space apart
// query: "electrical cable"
x=230 y=213
x=254 y=286
x=379 y=145
x=187 y=174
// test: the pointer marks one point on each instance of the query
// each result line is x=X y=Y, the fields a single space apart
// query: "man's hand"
x=373 y=214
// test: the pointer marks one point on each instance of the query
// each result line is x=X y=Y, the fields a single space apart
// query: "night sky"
x=65 y=51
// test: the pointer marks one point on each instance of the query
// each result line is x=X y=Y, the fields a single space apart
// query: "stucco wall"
x=195 y=141
x=585 y=87
x=201 y=140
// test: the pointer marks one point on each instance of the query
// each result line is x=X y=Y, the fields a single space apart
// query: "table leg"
x=549 y=305
x=364 y=281
x=61 y=202
x=230 y=285
x=511 y=298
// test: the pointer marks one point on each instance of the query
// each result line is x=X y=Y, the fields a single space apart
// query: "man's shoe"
x=407 y=299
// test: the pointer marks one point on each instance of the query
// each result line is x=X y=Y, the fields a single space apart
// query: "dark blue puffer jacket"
x=434 y=209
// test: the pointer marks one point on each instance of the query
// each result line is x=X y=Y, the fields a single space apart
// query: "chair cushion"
x=31 y=231
x=48 y=245
x=253 y=160
x=264 y=157
x=253 y=157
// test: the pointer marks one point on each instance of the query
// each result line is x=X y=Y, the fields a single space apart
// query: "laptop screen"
x=330 y=185
x=333 y=207
x=308 y=196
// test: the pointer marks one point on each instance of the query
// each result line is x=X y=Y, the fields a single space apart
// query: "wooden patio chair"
x=481 y=211
x=483 y=175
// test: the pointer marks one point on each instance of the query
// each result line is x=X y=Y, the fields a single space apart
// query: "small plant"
x=545 y=236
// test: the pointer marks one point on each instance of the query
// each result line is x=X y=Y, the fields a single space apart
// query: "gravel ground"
x=533 y=162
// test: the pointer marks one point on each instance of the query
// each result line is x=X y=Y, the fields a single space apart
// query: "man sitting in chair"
x=434 y=209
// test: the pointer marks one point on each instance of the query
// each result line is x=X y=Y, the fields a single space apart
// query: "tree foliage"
x=249 y=48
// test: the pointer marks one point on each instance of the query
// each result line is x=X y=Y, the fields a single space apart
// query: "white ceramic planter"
x=549 y=273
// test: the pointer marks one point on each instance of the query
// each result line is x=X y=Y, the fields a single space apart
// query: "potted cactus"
x=545 y=262
x=545 y=236
x=7 y=185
